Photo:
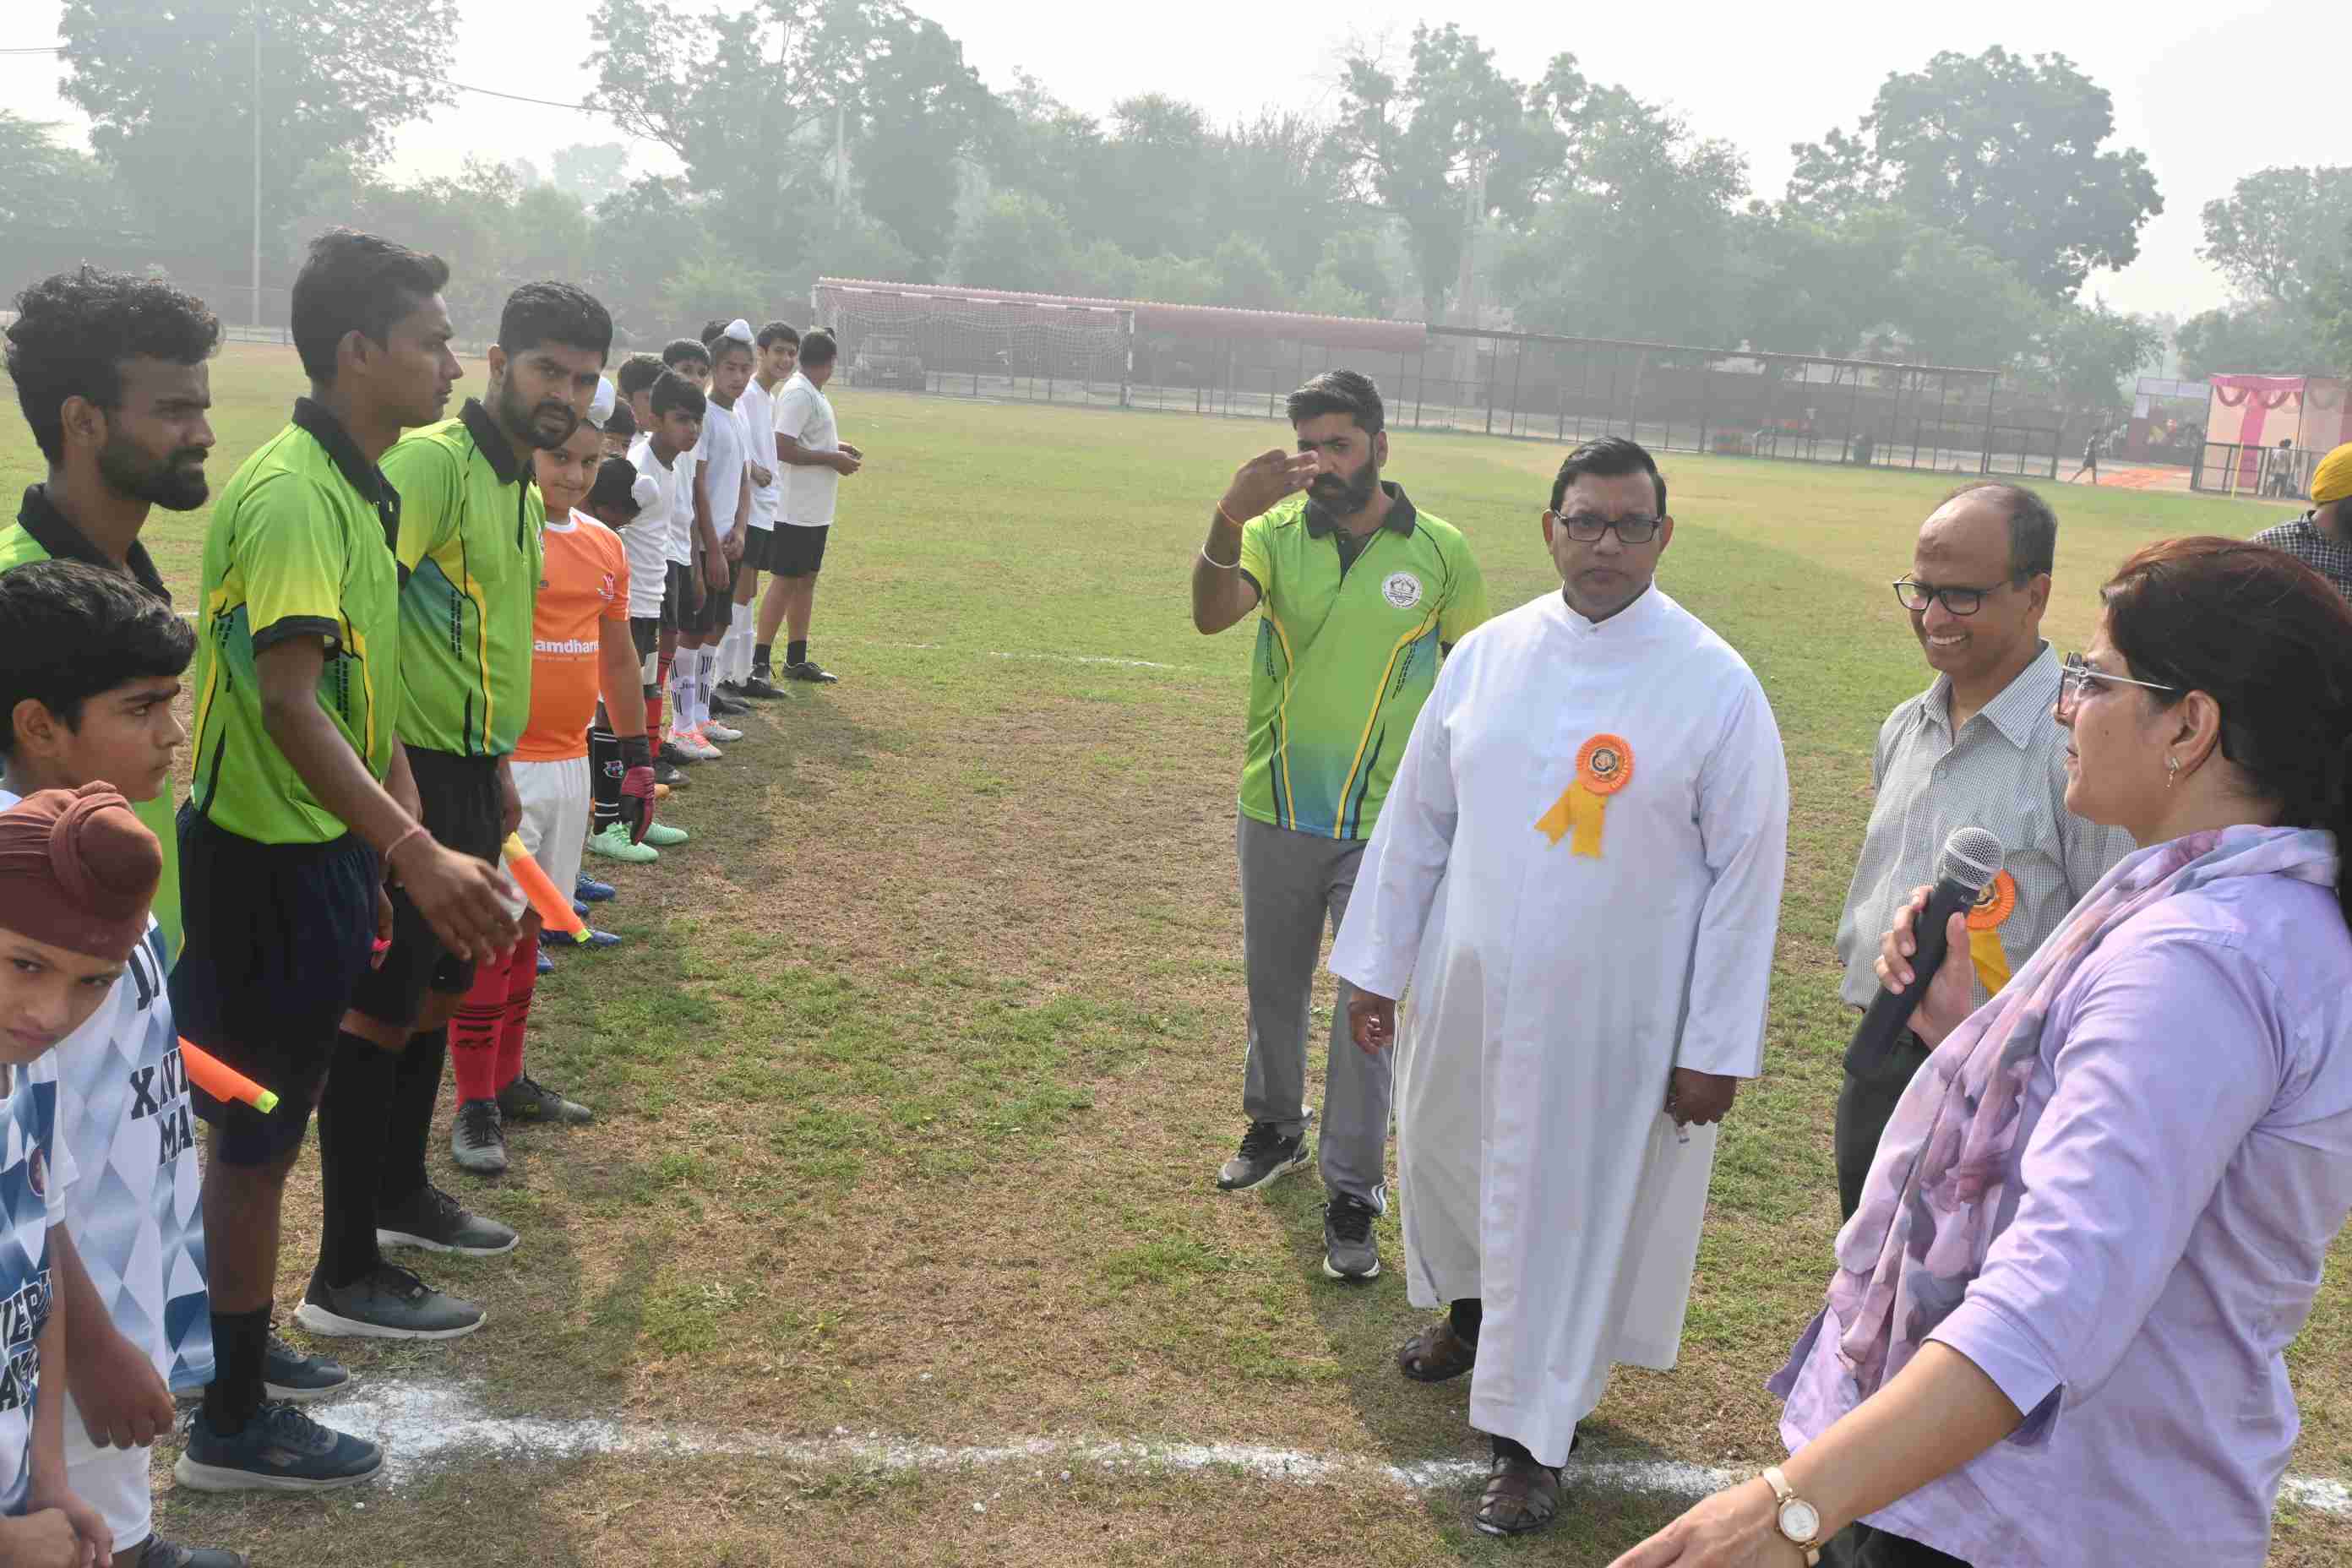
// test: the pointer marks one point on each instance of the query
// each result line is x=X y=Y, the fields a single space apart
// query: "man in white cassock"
x=1579 y=868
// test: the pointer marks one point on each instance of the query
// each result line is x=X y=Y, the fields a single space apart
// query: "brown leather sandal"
x=1521 y=1498
x=1437 y=1353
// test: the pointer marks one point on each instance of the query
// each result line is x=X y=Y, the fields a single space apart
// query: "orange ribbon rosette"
x=1604 y=764
x=1991 y=911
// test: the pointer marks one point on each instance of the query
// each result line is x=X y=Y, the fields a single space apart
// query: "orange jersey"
x=583 y=587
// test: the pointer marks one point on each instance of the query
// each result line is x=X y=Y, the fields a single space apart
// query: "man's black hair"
x=354 y=282
x=623 y=420
x=2032 y=528
x=617 y=482
x=1340 y=391
x=637 y=372
x=562 y=313
x=74 y=331
x=819 y=350
x=680 y=350
x=776 y=332
x=710 y=331
x=69 y=632
x=1608 y=458
x=674 y=391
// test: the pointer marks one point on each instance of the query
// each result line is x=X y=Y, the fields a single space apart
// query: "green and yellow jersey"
x=470 y=520
x=300 y=545
x=1347 y=653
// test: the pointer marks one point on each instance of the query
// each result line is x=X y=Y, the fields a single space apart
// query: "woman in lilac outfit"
x=2099 y=1215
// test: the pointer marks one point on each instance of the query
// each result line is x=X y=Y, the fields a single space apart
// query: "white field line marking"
x=1046 y=657
x=421 y=1424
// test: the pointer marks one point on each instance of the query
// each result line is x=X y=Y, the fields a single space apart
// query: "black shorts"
x=464 y=811
x=645 y=635
x=759 y=548
x=690 y=618
x=278 y=938
x=798 y=551
x=673 y=596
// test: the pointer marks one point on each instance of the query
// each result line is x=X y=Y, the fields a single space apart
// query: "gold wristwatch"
x=1798 y=1521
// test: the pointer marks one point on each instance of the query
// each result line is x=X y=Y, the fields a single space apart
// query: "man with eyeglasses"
x=1979 y=748
x=1579 y=871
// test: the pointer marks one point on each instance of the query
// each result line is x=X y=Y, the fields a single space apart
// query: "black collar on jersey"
x=495 y=447
x=54 y=531
x=1400 y=518
x=363 y=476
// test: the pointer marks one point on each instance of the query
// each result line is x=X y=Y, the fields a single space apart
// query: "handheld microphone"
x=1972 y=859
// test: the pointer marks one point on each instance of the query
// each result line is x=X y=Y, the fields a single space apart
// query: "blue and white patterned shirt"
x=34 y=1175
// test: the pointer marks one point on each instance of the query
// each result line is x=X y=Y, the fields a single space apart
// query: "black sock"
x=351 y=1127
x=1466 y=1315
x=417 y=1087
x=240 y=1351
x=1511 y=1448
x=604 y=771
x=796 y=653
x=762 y=656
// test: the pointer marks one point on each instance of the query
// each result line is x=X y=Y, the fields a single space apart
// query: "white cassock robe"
x=1553 y=992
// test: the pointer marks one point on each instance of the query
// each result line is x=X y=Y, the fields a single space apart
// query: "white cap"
x=644 y=492
x=738 y=329
x=599 y=407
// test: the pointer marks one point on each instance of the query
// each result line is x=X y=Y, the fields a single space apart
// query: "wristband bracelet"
x=393 y=848
x=1228 y=516
x=1235 y=564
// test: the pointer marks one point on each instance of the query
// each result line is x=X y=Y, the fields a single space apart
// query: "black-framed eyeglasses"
x=2077 y=675
x=1586 y=529
x=1915 y=595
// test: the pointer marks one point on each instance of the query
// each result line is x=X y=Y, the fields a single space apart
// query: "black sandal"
x=1521 y=1498
x=1437 y=1353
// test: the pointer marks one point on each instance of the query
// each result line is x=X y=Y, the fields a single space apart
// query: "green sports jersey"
x=42 y=532
x=470 y=520
x=300 y=545
x=1347 y=653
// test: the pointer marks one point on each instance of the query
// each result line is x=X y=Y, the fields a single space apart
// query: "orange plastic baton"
x=224 y=1082
x=554 y=909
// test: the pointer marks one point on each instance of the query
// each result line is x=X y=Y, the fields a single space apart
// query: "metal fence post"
x=1984 y=457
x=1518 y=373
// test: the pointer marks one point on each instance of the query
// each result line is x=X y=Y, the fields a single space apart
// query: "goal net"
x=975 y=343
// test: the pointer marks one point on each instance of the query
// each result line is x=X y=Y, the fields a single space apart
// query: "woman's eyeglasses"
x=2077 y=675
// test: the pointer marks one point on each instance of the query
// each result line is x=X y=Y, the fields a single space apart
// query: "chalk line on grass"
x=1046 y=657
x=421 y=1425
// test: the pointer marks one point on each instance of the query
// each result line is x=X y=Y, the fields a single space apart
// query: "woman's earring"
x=2171 y=770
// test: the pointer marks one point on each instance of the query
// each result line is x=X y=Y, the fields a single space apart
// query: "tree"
x=1999 y=149
x=1352 y=261
x=639 y=233
x=45 y=183
x=2090 y=350
x=1451 y=142
x=1280 y=179
x=1156 y=165
x=1015 y=241
x=167 y=91
x=1246 y=276
x=2263 y=338
x=2331 y=307
x=717 y=284
x=591 y=171
x=2278 y=230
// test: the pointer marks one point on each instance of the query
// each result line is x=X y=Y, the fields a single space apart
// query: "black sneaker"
x=477 y=1138
x=670 y=753
x=728 y=707
x=761 y=688
x=808 y=669
x=1349 y=1250
x=389 y=1304
x=1266 y=1155
x=439 y=1223
x=160 y=1553
x=281 y=1450
x=666 y=773
x=289 y=1375
x=528 y=1099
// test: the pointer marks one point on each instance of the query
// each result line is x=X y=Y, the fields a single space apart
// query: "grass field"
x=914 y=1075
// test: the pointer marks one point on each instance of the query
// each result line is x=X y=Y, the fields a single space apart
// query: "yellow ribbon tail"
x=1578 y=811
x=1992 y=963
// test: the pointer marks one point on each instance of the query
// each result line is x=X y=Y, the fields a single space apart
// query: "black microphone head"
x=1971 y=857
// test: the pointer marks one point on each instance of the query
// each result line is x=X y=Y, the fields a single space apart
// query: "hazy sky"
x=2207 y=99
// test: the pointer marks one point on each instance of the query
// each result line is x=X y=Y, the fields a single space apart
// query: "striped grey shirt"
x=2006 y=773
x=2303 y=539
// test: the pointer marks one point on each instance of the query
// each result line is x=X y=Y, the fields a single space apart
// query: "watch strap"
x=1781 y=1493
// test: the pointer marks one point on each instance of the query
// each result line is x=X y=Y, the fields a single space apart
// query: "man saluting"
x=1580 y=866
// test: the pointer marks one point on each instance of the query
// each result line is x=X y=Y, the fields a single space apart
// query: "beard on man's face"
x=546 y=425
x=176 y=483
x=1340 y=497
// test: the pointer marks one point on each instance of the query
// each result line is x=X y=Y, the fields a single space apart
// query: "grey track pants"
x=1292 y=885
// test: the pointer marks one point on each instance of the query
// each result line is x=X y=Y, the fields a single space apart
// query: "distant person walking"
x=2090 y=457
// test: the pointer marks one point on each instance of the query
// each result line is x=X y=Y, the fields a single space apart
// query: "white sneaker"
x=692 y=743
x=715 y=730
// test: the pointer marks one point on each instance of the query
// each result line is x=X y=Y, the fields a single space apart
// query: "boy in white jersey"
x=780 y=353
x=726 y=479
x=653 y=605
x=697 y=569
x=132 y=1281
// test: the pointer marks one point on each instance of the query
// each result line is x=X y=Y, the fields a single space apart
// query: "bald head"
x=1993 y=543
